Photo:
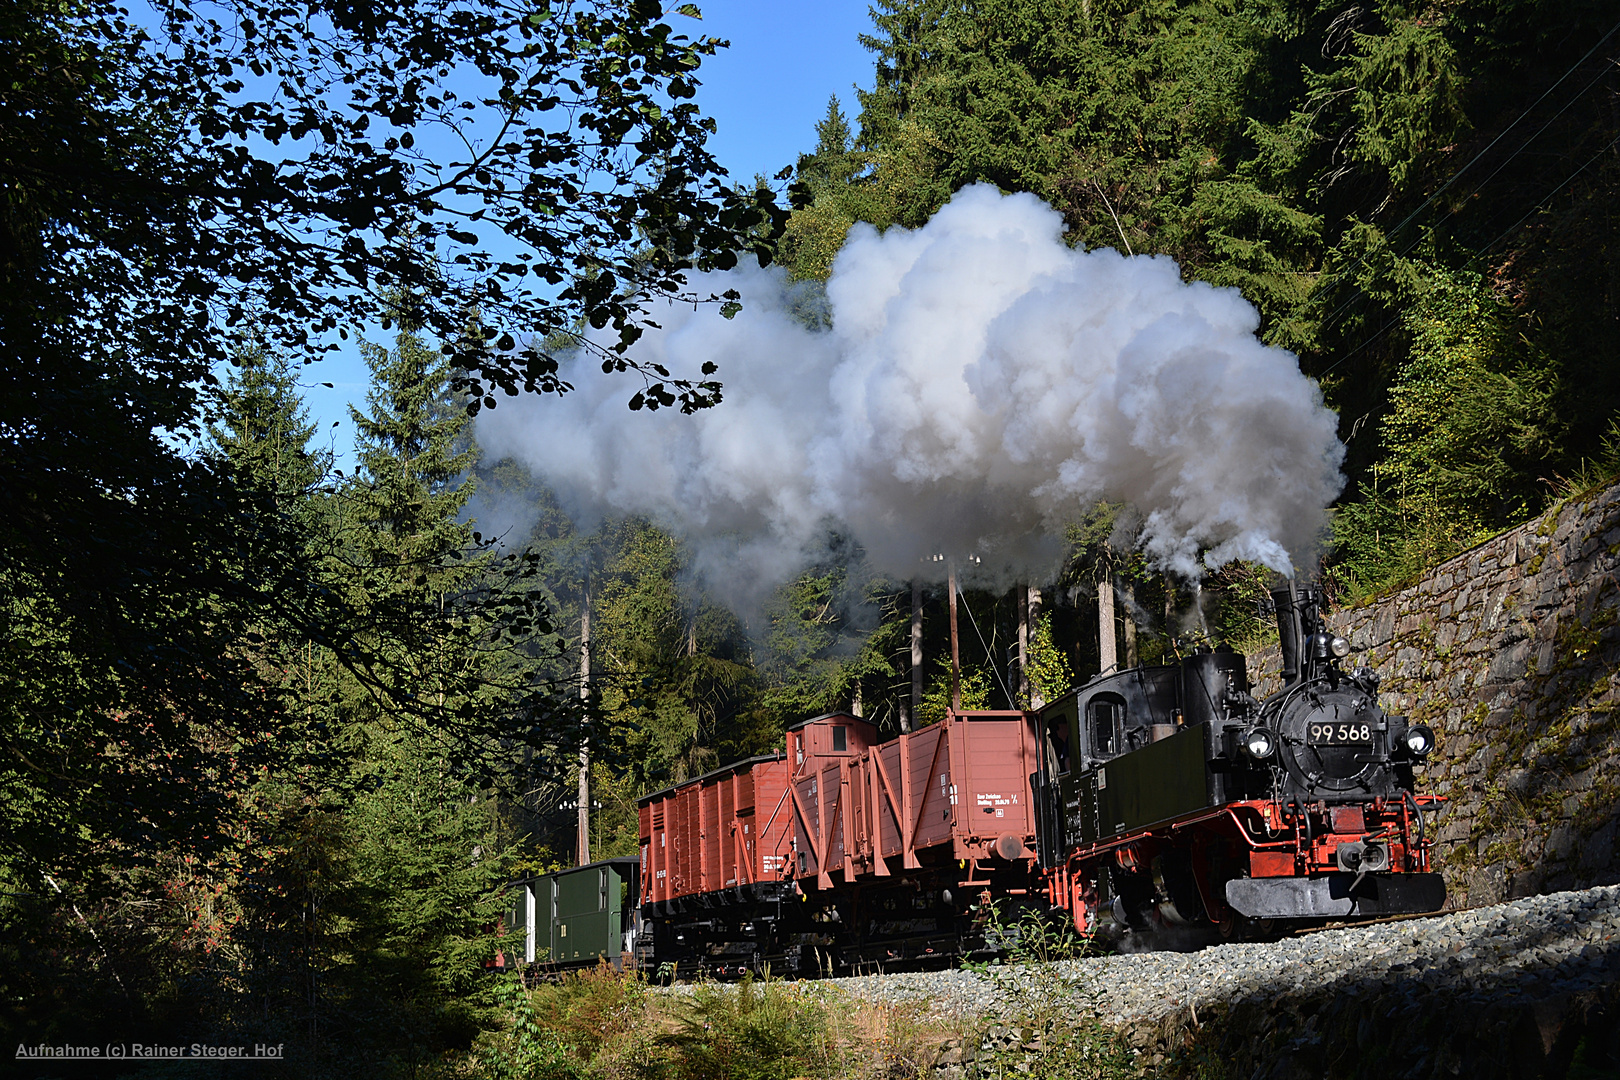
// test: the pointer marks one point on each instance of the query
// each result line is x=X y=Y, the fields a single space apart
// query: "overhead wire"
x=1012 y=701
x=1481 y=185
x=1482 y=251
x=1505 y=161
x=1545 y=198
x=1475 y=159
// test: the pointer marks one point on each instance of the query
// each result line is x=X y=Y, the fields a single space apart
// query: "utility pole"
x=1036 y=603
x=956 y=656
x=1128 y=625
x=1029 y=616
x=909 y=718
x=585 y=742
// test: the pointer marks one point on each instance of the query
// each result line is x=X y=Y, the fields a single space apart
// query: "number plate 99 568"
x=1344 y=734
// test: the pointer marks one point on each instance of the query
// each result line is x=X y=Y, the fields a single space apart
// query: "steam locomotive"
x=1153 y=798
x=1192 y=804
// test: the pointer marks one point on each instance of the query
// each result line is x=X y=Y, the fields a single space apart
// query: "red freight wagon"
x=956 y=792
x=719 y=831
x=845 y=852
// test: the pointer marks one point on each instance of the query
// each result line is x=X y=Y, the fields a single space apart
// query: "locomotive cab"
x=1138 y=746
x=1119 y=713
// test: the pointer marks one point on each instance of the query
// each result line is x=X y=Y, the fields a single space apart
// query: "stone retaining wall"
x=1510 y=652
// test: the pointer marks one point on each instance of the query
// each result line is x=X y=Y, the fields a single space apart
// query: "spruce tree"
x=427 y=843
x=832 y=179
x=262 y=435
x=265 y=430
x=414 y=466
x=833 y=164
x=418 y=568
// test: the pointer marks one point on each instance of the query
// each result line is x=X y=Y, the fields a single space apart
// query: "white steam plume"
x=981 y=384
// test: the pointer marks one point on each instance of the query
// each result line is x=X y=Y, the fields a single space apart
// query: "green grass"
x=606 y=1025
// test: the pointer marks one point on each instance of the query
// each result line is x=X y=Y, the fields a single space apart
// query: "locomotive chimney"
x=1289 y=632
x=1299 y=620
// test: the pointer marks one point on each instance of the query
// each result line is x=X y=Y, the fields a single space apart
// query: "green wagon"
x=577 y=917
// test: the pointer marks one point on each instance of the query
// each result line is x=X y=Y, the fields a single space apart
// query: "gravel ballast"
x=1533 y=948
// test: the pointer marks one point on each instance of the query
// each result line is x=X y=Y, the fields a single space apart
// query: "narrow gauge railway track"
x=1304 y=930
x=1154 y=797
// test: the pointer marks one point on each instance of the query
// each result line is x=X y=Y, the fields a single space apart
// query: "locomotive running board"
x=1331 y=896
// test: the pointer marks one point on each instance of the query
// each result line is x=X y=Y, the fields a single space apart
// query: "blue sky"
x=766 y=94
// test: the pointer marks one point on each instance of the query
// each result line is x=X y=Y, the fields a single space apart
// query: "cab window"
x=1105 y=719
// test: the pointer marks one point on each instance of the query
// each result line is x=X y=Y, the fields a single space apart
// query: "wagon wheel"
x=1134 y=894
x=1181 y=884
x=1235 y=928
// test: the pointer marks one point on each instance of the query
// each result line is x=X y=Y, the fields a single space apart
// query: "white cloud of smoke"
x=981 y=384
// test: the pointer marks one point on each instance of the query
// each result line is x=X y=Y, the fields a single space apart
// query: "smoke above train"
x=971 y=385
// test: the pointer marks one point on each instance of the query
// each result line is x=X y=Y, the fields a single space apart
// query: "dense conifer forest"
x=272 y=736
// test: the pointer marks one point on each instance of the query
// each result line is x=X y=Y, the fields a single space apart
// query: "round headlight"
x=1340 y=647
x=1259 y=743
x=1419 y=739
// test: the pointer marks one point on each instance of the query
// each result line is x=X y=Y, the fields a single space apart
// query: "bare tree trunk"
x=855 y=700
x=1129 y=627
x=1105 y=619
x=956 y=655
x=1032 y=603
x=1022 y=594
x=908 y=717
x=585 y=744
